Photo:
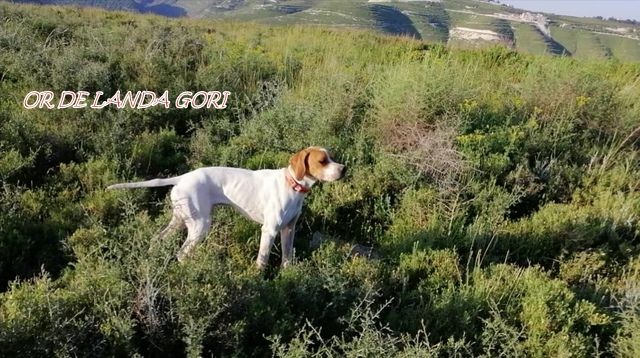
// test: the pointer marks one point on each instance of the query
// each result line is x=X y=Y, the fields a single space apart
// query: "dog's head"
x=315 y=162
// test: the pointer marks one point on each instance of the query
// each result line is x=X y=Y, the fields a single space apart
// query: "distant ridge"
x=459 y=23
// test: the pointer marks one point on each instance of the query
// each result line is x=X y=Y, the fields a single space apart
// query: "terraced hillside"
x=460 y=23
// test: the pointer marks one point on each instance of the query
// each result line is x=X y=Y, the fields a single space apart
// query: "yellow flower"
x=582 y=101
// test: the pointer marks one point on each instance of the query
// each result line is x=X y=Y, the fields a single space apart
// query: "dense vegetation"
x=500 y=192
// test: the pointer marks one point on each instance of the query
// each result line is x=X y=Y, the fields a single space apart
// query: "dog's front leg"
x=266 y=241
x=287 y=235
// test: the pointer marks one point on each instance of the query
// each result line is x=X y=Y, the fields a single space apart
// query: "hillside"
x=461 y=23
x=491 y=206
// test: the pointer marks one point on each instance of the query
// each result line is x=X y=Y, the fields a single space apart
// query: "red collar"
x=294 y=184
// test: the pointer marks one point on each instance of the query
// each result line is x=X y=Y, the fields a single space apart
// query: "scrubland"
x=499 y=190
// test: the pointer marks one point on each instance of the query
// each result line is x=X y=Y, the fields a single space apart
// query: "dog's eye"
x=324 y=161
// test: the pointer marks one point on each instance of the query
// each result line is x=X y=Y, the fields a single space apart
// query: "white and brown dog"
x=271 y=197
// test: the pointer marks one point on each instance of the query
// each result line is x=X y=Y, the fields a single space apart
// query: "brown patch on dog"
x=298 y=163
x=310 y=161
x=316 y=161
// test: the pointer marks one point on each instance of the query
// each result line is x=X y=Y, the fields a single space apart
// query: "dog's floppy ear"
x=299 y=164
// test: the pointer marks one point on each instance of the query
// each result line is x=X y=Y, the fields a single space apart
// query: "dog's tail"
x=146 y=184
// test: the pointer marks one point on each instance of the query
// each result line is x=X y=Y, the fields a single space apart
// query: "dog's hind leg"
x=195 y=211
x=198 y=229
x=175 y=223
